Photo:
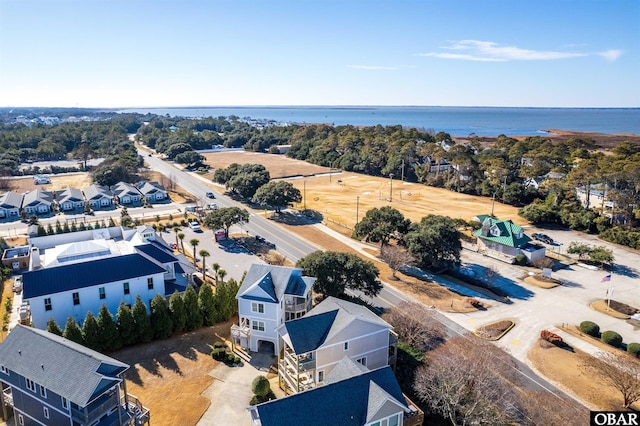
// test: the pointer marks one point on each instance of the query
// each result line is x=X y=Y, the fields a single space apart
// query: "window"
x=65 y=403
x=102 y=293
x=20 y=420
x=31 y=385
x=257 y=307
x=150 y=283
x=43 y=392
x=125 y=287
x=76 y=298
x=4 y=369
x=257 y=325
x=46 y=412
x=393 y=420
x=47 y=304
x=346 y=346
x=320 y=376
x=362 y=361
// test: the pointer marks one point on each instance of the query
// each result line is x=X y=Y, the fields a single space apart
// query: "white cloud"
x=488 y=51
x=371 y=67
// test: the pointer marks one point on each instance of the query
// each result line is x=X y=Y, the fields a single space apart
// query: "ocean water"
x=457 y=121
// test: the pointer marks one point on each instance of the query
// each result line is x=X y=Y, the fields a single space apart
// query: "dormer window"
x=495 y=231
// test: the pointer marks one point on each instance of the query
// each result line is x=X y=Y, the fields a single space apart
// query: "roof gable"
x=307 y=334
x=276 y=281
x=11 y=200
x=504 y=232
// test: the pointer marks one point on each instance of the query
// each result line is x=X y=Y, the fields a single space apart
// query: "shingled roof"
x=72 y=371
x=275 y=281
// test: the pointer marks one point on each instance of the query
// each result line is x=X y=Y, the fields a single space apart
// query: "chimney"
x=34 y=259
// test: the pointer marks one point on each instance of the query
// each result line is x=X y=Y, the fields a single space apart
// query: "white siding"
x=271 y=318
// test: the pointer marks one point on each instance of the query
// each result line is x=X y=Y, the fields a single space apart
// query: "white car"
x=195 y=226
x=212 y=206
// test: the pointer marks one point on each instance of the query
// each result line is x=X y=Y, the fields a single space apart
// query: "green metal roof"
x=503 y=232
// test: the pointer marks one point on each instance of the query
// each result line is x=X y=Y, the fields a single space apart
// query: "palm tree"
x=181 y=238
x=194 y=243
x=176 y=229
x=222 y=273
x=204 y=254
x=216 y=268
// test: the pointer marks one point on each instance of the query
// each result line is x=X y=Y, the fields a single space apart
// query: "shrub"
x=634 y=349
x=521 y=259
x=611 y=338
x=219 y=344
x=590 y=328
x=260 y=386
x=551 y=337
x=231 y=358
x=219 y=354
x=237 y=360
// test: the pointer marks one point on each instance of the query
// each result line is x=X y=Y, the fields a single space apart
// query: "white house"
x=10 y=203
x=37 y=202
x=152 y=191
x=269 y=296
x=126 y=193
x=309 y=348
x=69 y=199
x=98 y=196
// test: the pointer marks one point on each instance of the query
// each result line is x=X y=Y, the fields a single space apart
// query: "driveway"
x=230 y=392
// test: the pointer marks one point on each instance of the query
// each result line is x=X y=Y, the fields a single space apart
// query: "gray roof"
x=150 y=187
x=36 y=197
x=10 y=200
x=96 y=192
x=124 y=188
x=69 y=194
x=276 y=281
x=60 y=365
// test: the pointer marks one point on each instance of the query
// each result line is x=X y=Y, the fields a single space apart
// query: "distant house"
x=37 y=202
x=69 y=199
x=537 y=182
x=152 y=191
x=126 y=193
x=504 y=240
x=595 y=196
x=309 y=348
x=10 y=203
x=49 y=380
x=352 y=395
x=98 y=196
x=269 y=296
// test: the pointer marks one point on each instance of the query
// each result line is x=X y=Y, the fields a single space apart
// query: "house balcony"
x=297 y=371
x=137 y=411
x=7 y=397
x=415 y=416
x=106 y=403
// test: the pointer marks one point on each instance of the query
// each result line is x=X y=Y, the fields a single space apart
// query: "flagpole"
x=610 y=292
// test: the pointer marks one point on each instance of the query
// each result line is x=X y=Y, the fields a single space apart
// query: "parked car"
x=210 y=195
x=212 y=206
x=542 y=237
x=195 y=226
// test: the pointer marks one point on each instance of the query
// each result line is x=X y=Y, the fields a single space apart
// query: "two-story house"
x=49 y=380
x=311 y=346
x=98 y=196
x=269 y=296
x=504 y=240
x=69 y=199
x=352 y=395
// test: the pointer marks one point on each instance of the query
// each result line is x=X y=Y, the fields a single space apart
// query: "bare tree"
x=396 y=257
x=459 y=383
x=620 y=371
x=416 y=325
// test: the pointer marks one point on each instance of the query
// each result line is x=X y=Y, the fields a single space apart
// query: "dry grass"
x=279 y=166
x=76 y=180
x=168 y=376
x=601 y=306
x=494 y=330
x=542 y=282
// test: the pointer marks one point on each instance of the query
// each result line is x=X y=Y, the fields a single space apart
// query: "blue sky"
x=124 y=53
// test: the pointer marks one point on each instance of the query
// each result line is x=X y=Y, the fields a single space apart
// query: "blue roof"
x=158 y=254
x=86 y=274
x=308 y=333
x=296 y=286
x=347 y=401
x=266 y=284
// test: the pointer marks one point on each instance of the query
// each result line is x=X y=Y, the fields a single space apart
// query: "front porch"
x=296 y=373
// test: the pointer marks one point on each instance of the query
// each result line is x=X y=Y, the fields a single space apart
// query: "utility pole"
x=402 y=180
x=357 y=208
x=390 y=187
x=304 y=191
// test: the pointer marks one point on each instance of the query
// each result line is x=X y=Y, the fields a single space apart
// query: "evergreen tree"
x=91 y=333
x=225 y=300
x=194 y=318
x=52 y=327
x=142 y=321
x=50 y=230
x=178 y=312
x=41 y=231
x=160 y=318
x=126 y=325
x=72 y=331
x=206 y=304
x=108 y=330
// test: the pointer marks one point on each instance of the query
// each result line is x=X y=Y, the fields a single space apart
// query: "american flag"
x=606 y=278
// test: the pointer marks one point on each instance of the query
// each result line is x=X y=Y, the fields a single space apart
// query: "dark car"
x=210 y=195
x=542 y=237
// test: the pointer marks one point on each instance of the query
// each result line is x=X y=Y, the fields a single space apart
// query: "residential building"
x=152 y=191
x=69 y=199
x=37 y=202
x=595 y=196
x=269 y=296
x=49 y=380
x=126 y=193
x=352 y=395
x=504 y=240
x=71 y=274
x=311 y=346
x=10 y=203
x=98 y=196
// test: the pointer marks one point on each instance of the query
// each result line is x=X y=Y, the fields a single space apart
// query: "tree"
x=108 y=330
x=52 y=327
x=194 y=317
x=72 y=331
x=581 y=249
x=336 y=272
x=619 y=371
x=396 y=257
x=225 y=300
x=141 y=321
x=177 y=312
x=160 y=318
x=435 y=243
x=189 y=158
x=379 y=224
x=204 y=254
x=277 y=194
x=181 y=238
x=126 y=325
x=176 y=230
x=206 y=304
x=91 y=333
x=194 y=243
x=601 y=255
x=226 y=217
x=416 y=325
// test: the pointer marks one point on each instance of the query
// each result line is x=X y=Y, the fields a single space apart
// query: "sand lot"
x=340 y=195
x=77 y=180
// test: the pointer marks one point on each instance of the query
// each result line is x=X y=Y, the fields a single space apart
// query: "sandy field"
x=78 y=180
x=279 y=166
